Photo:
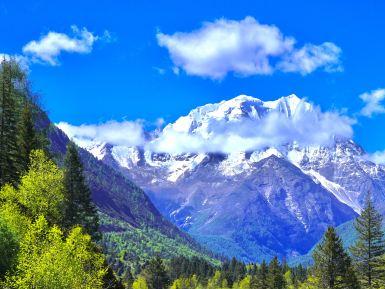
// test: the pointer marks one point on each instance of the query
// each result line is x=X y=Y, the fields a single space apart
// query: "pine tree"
x=110 y=281
x=80 y=208
x=275 y=278
x=28 y=137
x=369 y=247
x=259 y=281
x=155 y=274
x=332 y=265
x=233 y=271
x=9 y=117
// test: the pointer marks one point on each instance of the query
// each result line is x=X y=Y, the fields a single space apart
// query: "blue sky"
x=123 y=72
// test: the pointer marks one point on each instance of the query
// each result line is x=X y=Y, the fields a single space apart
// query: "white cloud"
x=373 y=102
x=48 y=48
x=127 y=133
x=244 y=47
x=376 y=157
x=311 y=57
x=306 y=128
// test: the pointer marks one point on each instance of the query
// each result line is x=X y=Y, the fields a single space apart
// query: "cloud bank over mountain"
x=250 y=125
x=128 y=133
x=377 y=157
x=307 y=128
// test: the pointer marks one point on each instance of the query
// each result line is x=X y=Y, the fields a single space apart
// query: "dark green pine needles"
x=9 y=117
x=370 y=247
x=80 y=209
x=332 y=265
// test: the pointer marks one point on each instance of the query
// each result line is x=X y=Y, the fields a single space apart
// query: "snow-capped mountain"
x=242 y=106
x=250 y=178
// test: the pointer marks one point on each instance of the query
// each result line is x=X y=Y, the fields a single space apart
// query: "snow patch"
x=339 y=192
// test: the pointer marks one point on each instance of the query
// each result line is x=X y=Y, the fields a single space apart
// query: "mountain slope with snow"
x=256 y=176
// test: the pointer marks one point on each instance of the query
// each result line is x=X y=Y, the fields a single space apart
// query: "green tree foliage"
x=186 y=283
x=298 y=275
x=185 y=267
x=140 y=283
x=46 y=260
x=34 y=252
x=290 y=284
x=110 y=280
x=129 y=248
x=10 y=77
x=259 y=280
x=233 y=271
x=80 y=208
x=310 y=283
x=295 y=276
x=29 y=139
x=11 y=213
x=217 y=282
x=332 y=265
x=18 y=134
x=256 y=277
x=8 y=249
x=369 y=247
x=13 y=226
x=41 y=190
x=275 y=278
x=245 y=283
x=155 y=274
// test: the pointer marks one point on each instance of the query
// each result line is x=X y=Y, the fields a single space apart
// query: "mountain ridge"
x=182 y=184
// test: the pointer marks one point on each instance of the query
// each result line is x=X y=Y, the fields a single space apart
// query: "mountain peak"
x=244 y=97
x=293 y=98
x=235 y=109
x=248 y=106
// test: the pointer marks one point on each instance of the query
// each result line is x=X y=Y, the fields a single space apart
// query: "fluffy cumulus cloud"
x=244 y=47
x=127 y=133
x=48 y=48
x=306 y=128
x=311 y=57
x=373 y=102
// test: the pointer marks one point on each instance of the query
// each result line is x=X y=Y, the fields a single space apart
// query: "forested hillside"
x=48 y=223
x=127 y=214
x=131 y=229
